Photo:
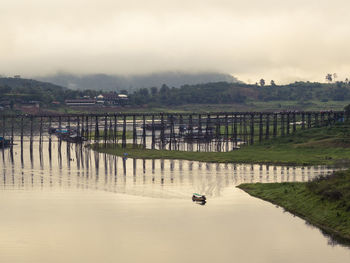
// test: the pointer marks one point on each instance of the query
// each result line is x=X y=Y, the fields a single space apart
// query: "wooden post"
x=124 y=132
x=316 y=120
x=309 y=120
x=288 y=123
x=190 y=128
x=171 y=131
x=261 y=127
x=235 y=130
x=267 y=135
x=115 y=129
x=110 y=131
x=3 y=131
x=252 y=129
x=97 y=135
x=134 y=132
x=105 y=131
x=78 y=126
x=22 y=131
x=31 y=131
x=245 y=131
x=87 y=128
x=275 y=125
x=294 y=122
x=282 y=124
x=41 y=130
x=226 y=127
x=199 y=132
x=303 y=120
x=207 y=129
x=322 y=119
x=153 y=133
x=218 y=128
x=162 y=129
x=50 y=123
x=144 y=131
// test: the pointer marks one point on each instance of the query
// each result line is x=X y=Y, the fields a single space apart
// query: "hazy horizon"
x=285 y=41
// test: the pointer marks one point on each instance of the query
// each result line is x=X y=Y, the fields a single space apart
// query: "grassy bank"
x=327 y=145
x=324 y=202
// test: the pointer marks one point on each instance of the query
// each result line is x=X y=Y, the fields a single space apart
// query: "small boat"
x=4 y=142
x=198 y=198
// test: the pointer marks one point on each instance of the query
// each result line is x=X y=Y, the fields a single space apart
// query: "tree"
x=329 y=77
x=262 y=82
x=273 y=83
x=154 y=91
x=335 y=76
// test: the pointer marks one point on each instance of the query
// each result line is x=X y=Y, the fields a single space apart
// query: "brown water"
x=79 y=206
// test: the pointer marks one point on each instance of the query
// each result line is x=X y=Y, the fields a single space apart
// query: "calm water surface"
x=73 y=205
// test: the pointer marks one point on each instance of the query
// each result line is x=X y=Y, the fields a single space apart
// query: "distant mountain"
x=134 y=82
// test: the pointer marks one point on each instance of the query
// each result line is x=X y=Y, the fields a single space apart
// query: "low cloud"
x=280 y=40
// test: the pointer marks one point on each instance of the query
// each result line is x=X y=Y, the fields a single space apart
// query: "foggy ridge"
x=134 y=82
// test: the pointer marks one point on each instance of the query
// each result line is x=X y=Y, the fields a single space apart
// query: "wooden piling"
x=303 y=120
x=282 y=124
x=260 y=127
x=124 y=132
x=235 y=130
x=105 y=131
x=171 y=132
x=199 y=132
x=294 y=122
x=97 y=135
x=226 y=127
x=162 y=130
x=3 y=130
x=21 y=131
x=267 y=132
x=41 y=130
x=87 y=134
x=252 y=129
x=153 y=134
x=309 y=120
x=207 y=129
x=274 y=125
x=134 y=133
x=31 y=131
x=144 y=131
x=115 y=129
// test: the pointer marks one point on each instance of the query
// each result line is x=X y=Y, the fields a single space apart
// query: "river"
x=74 y=205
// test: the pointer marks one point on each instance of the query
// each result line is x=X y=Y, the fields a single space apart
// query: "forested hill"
x=24 y=90
x=226 y=93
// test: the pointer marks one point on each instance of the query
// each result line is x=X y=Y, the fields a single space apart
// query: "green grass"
x=324 y=202
x=327 y=145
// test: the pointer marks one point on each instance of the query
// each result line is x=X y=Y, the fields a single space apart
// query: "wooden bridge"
x=166 y=130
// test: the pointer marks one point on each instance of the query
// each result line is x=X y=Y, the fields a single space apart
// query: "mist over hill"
x=134 y=82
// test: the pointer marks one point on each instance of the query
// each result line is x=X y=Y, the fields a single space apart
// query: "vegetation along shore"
x=324 y=202
x=316 y=146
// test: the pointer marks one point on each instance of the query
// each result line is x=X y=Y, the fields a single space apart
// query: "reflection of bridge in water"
x=65 y=165
x=200 y=132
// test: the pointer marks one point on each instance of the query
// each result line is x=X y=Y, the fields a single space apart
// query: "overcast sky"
x=284 y=40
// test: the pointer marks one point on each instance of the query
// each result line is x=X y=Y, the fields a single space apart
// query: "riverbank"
x=316 y=146
x=324 y=202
